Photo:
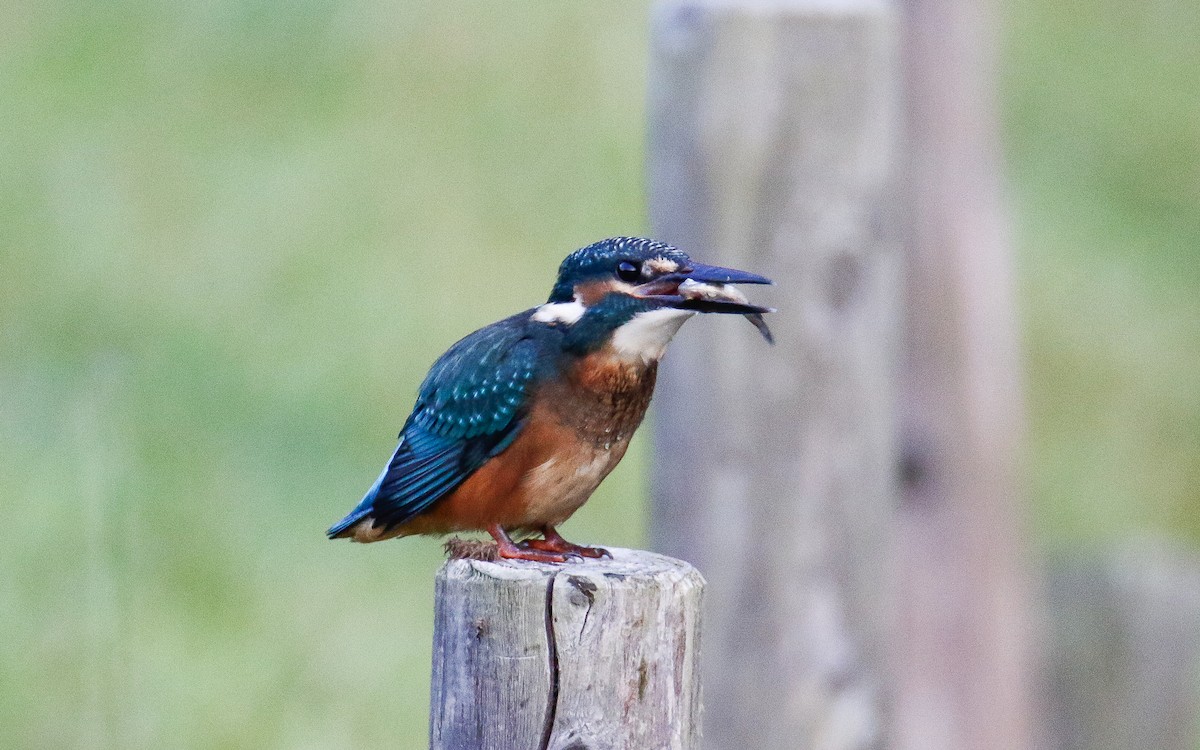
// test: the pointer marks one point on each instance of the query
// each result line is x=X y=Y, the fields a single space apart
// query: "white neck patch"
x=559 y=312
x=646 y=337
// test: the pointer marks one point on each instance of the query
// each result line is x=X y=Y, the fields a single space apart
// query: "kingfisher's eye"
x=629 y=271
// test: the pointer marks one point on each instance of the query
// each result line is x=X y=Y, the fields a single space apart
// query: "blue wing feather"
x=469 y=408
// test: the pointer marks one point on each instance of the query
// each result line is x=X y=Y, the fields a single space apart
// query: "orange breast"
x=575 y=434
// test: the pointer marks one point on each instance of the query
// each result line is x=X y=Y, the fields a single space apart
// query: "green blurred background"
x=225 y=232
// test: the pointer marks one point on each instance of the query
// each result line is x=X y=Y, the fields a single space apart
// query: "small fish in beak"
x=716 y=292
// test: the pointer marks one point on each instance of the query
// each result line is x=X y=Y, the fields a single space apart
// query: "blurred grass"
x=236 y=235
x=228 y=229
x=1103 y=117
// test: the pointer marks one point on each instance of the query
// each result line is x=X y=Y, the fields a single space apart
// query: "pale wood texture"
x=599 y=655
x=965 y=675
x=1124 y=666
x=772 y=147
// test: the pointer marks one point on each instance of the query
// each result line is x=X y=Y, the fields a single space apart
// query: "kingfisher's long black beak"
x=706 y=289
x=718 y=275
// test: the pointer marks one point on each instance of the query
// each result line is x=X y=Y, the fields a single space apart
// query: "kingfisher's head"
x=635 y=293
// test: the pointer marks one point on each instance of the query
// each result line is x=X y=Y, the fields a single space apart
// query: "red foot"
x=506 y=548
x=553 y=542
x=518 y=553
x=552 y=548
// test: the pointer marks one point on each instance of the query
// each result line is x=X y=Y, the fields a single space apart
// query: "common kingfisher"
x=517 y=424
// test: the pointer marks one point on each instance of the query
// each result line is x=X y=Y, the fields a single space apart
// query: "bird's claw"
x=521 y=552
x=537 y=549
x=562 y=546
x=595 y=553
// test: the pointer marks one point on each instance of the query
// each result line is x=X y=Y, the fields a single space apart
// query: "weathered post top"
x=594 y=655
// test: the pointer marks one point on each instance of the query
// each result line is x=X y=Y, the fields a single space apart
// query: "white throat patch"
x=559 y=312
x=647 y=335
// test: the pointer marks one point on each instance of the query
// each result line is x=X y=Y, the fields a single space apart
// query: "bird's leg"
x=552 y=541
x=507 y=548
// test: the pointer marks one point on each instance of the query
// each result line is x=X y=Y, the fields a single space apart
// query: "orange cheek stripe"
x=591 y=292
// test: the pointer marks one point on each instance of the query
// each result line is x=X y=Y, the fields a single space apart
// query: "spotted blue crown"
x=598 y=259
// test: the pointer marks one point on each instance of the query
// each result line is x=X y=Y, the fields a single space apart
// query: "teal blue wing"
x=470 y=407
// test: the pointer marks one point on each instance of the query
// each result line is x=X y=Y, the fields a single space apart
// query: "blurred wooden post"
x=580 y=656
x=772 y=147
x=966 y=666
x=1124 y=666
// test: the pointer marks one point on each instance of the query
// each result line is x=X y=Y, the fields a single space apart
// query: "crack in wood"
x=552 y=653
x=588 y=590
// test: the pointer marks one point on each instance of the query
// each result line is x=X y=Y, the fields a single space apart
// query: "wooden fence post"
x=965 y=654
x=772 y=147
x=599 y=655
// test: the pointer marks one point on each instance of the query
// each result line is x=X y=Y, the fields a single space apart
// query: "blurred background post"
x=966 y=641
x=774 y=144
x=225 y=265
